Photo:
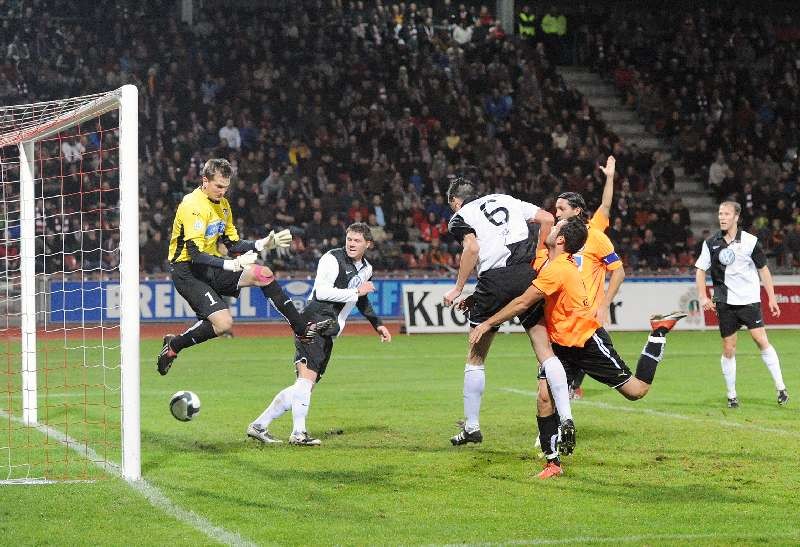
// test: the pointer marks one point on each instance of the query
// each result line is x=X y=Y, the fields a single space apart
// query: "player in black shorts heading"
x=736 y=261
x=203 y=277
x=343 y=282
x=494 y=232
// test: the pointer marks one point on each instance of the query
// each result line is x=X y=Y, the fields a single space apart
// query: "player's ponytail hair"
x=576 y=201
x=217 y=165
x=361 y=228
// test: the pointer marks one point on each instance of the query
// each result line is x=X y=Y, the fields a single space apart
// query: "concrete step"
x=602 y=103
x=688 y=185
x=620 y=115
x=595 y=90
x=695 y=202
x=642 y=140
x=702 y=220
x=632 y=128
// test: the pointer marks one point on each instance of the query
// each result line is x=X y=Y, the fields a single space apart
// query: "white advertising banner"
x=424 y=311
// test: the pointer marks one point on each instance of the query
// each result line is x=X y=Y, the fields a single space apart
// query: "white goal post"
x=34 y=131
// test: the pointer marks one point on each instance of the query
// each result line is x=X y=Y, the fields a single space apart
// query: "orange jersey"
x=595 y=259
x=568 y=314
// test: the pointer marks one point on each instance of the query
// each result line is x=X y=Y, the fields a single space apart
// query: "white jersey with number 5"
x=500 y=224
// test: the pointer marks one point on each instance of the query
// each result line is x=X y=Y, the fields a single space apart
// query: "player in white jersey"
x=494 y=232
x=736 y=261
x=343 y=282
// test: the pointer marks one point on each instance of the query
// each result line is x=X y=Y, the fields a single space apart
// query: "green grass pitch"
x=677 y=467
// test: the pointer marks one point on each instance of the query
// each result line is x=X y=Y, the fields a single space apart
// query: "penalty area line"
x=152 y=494
x=662 y=414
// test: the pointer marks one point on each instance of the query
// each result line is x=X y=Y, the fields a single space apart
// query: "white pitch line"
x=632 y=539
x=659 y=413
x=152 y=494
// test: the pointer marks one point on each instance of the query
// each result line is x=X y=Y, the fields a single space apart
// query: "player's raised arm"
x=608 y=189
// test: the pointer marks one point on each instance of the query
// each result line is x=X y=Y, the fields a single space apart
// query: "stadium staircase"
x=624 y=122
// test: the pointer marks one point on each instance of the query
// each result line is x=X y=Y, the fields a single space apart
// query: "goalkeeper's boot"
x=783 y=397
x=303 y=439
x=167 y=355
x=315 y=329
x=662 y=324
x=566 y=443
x=465 y=437
x=552 y=469
x=733 y=402
x=260 y=434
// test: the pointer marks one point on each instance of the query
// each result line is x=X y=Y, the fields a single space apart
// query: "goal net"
x=69 y=289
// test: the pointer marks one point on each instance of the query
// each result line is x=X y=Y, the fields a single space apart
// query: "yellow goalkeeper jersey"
x=200 y=222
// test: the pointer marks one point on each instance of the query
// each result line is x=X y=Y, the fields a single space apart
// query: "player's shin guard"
x=557 y=380
x=651 y=356
x=279 y=405
x=284 y=305
x=196 y=334
x=474 y=383
x=548 y=436
x=301 y=398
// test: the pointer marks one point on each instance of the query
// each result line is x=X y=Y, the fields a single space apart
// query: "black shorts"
x=204 y=286
x=731 y=317
x=597 y=358
x=498 y=287
x=314 y=354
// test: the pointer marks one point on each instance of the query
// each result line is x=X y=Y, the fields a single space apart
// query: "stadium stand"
x=340 y=111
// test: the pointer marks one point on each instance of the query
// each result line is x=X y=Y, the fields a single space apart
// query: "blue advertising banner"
x=93 y=301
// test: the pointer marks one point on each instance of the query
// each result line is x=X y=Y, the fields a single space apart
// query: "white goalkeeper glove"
x=274 y=240
x=237 y=264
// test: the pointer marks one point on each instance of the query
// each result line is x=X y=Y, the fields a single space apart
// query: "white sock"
x=474 y=382
x=729 y=372
x=280 y=404
x=557 y=379
x=300 y=401
x=770 y=358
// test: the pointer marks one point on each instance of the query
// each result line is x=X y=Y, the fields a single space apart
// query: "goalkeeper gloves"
x=274 y=240
x=237 y=264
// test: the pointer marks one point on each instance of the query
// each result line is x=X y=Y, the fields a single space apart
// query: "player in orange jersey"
x=597 y=256
x=578 y=339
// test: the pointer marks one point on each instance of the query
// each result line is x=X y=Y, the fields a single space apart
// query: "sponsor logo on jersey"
x=727 y=256
x=215 y=228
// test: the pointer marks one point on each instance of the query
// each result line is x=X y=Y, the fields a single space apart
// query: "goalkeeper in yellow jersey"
x=598 y=255
x=203 y=277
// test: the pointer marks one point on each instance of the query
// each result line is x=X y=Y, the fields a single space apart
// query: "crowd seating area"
x=334 y=111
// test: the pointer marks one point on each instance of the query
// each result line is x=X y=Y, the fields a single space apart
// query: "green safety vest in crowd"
x=554 y=25
x=526 y=24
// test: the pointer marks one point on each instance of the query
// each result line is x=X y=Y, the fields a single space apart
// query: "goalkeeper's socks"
x=548 y=435
x=301 y=398
x=651 y=356
x=196 y=334
x=285 y=306
x=279 y=405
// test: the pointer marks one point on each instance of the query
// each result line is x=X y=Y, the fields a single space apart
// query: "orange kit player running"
x=598 y=255
x=578 y=339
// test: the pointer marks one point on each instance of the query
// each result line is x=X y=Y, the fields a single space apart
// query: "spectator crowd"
x=339 y=111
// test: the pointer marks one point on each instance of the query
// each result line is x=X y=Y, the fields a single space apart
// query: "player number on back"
x=491 y=215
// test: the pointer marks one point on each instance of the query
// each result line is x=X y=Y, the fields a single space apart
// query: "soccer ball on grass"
x=184 y=405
